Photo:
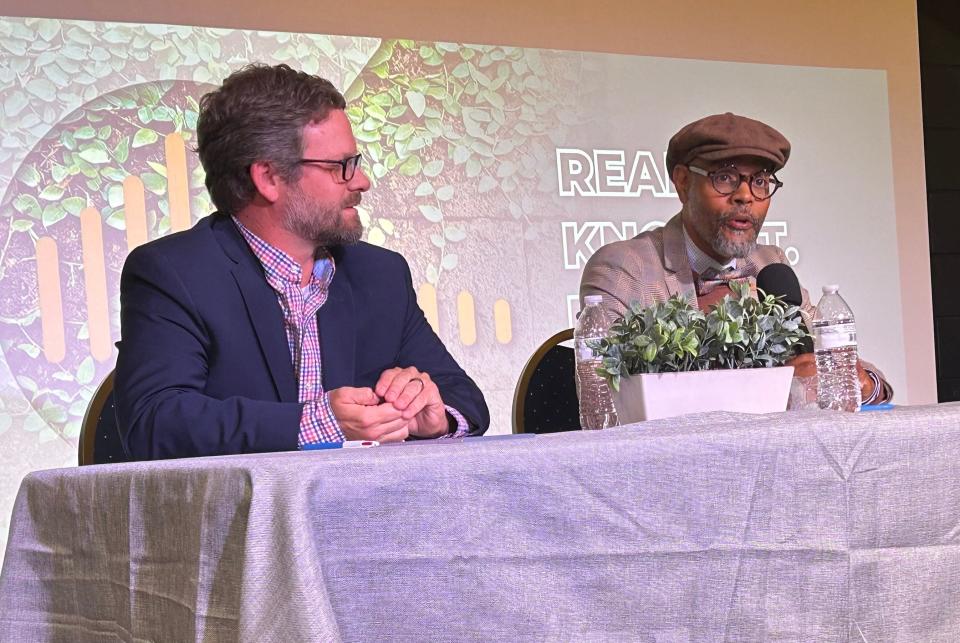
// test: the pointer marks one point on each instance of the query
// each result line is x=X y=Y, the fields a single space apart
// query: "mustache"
x=742 y=213
x=353 y=202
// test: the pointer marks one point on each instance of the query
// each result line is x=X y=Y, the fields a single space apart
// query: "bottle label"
x=835 y=336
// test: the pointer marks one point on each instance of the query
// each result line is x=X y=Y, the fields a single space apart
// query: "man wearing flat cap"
x=724 y=169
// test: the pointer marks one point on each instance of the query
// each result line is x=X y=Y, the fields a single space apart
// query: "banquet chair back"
x=545 y=400
x=100 y=441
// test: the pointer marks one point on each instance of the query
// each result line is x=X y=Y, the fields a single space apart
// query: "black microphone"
x=780 y=280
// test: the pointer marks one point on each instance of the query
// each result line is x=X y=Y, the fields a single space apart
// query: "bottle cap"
x=592 y=300
x=832 y=289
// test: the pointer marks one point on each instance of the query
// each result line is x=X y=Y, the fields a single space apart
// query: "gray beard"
x=323 y=227
x=730 y=248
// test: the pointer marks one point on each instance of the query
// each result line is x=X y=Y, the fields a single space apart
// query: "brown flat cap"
x=724 y=136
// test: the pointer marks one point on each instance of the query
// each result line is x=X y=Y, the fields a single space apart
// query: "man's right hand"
x=362 y=416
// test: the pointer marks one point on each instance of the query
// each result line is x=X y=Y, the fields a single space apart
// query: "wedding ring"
x=422 y=385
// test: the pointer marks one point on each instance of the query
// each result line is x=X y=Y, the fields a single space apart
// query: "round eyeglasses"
x=348 y=166
x=727 y=180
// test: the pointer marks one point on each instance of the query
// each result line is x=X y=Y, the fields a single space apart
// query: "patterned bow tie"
x=710 y=279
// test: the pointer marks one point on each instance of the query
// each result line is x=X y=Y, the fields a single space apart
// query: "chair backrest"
x=545 y=400
x=100 y=441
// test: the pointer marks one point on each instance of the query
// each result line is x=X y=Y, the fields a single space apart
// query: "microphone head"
x=780 y=280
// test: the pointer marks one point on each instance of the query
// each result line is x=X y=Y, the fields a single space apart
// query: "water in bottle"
x=596 y=404
x=835 y=345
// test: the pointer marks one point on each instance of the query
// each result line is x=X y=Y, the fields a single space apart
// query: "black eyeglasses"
x=727 y=180
x=348 y=166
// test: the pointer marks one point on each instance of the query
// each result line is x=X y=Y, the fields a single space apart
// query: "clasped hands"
x=404 y=402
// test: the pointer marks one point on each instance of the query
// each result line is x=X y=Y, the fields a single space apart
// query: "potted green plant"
x=671 y=358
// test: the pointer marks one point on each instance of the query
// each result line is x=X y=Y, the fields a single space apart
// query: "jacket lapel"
x=262 y=307
x=676 y=262
x=336 y=324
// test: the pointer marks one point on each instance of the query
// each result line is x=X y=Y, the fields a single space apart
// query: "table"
x=796 y=526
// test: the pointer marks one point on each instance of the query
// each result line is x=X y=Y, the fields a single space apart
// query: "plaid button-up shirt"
x=300 y=306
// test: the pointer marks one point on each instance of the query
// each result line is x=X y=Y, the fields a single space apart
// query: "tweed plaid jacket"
x=653 y=266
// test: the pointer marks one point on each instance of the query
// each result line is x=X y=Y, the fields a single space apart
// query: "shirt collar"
x=279 y=266
x=700 y=262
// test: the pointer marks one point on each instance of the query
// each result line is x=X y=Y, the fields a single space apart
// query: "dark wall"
x=939 y=32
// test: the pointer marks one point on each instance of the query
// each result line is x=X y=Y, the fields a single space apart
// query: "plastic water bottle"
x=835 y=346
x=596 y=404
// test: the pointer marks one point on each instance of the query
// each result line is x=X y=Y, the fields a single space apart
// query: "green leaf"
x=424 y=188
x=115 y=195
x=445 y=193
x=355 y=91
x=117 y=221
x=95 y=153
x=154 y=182
x=122 y=151
x=52 y=192
x=52 y=214
x=85 y=371
x=503 y=147
x=27 y=383
x=145 y=136
x=58 y=172
x=433 y=168
x=417 y=102
x=159 y=168
x=404 y=132
x=410 y=167
x=29 y=176
x=21 y=225
x=15 y=103
x=454 y=233
x=431 y=213
x=383 y=99
x=74 y=204
x=42 y=89
x=460 y=154
x=375 y=111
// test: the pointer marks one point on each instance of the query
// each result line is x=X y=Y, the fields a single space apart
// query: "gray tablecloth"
x=809 y=526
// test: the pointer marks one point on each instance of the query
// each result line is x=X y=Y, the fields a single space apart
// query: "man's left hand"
x=806 y=366
x=417 y=397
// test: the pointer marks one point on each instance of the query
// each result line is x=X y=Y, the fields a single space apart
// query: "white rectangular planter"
x=661 y=395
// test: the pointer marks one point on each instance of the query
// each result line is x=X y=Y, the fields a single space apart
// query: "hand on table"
x=363 y=416
x=415 y=396
x=806 y=366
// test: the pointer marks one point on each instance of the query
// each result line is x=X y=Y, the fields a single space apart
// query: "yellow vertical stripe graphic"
x=51 y=302
x=178 y=194
x=501 y=321
x=427 y=298
x=466 y=315
x=135 y=212
x=95 y=283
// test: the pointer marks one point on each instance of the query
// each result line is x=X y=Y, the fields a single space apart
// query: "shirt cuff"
x=318 y=423
x=877 y=388
x=462 y=425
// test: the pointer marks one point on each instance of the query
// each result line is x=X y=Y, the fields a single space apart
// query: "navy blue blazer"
x=204 y=367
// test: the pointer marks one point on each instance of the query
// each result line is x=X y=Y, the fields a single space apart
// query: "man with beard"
x=269 y=326
x=723 y=167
